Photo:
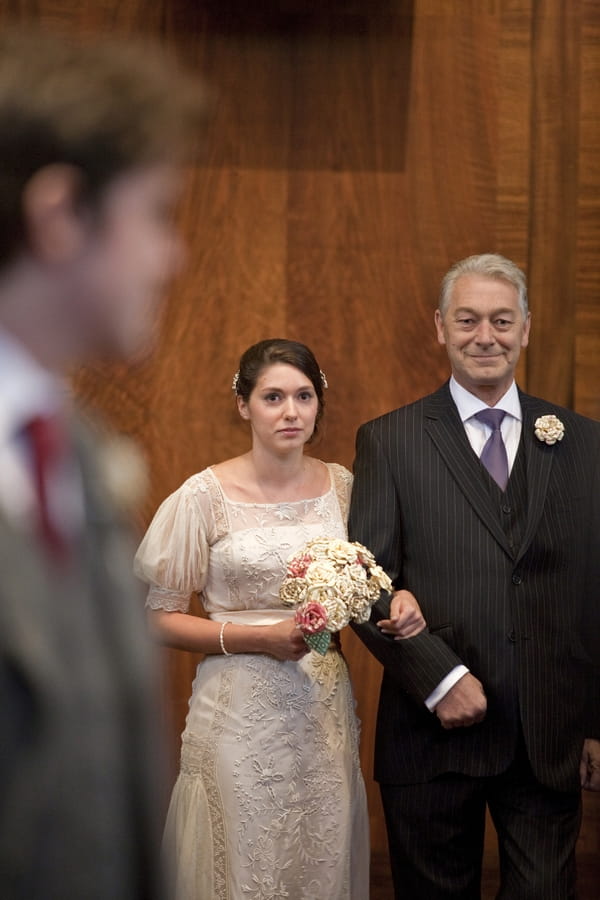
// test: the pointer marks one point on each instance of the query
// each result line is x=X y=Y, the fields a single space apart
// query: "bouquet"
x=331 y=582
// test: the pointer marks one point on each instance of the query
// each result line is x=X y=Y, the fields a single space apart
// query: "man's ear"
x=439 y=327
x=55 y=228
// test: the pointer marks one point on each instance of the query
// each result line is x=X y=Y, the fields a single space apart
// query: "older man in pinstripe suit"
x=494 y=525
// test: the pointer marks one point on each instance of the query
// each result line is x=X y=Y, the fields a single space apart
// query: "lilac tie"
x=493 y=456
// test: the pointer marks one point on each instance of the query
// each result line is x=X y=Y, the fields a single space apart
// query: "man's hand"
x=589 y=768
x=464 y=704
x=406 y=619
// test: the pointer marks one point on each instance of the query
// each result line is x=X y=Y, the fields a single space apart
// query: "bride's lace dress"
x=270 y=802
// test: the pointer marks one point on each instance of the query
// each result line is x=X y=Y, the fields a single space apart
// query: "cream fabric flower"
x=549 y=429
x=292 y=591
x=321 y=572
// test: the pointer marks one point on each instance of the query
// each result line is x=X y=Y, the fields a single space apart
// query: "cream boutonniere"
x=123 y=472
x=549 y=429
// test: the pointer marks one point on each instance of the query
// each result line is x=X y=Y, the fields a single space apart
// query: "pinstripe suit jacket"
x=525 y=621
x=79 y=794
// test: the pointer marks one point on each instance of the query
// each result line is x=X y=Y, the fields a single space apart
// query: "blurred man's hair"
x=103 y=107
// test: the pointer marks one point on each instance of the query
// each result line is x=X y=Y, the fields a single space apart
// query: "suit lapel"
x=447 y=432
x=539 y=460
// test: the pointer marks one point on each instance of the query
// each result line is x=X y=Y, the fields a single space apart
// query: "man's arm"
x=421 y=663
x=374 y=517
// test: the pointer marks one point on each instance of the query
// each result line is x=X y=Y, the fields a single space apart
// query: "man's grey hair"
x=489 y=265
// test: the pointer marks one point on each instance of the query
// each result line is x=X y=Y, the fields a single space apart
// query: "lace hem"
x=171 y=601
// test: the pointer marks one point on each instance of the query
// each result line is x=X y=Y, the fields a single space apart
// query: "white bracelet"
x=222 y=642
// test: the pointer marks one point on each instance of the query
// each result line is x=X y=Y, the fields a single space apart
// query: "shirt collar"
x=468 y=404
x=26 y=388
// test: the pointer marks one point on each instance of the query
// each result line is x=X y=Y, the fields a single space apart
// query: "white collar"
x=26 y=388
x=468 y=404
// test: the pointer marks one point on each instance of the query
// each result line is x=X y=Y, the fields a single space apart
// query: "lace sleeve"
x=342 y=480
x=173 y=556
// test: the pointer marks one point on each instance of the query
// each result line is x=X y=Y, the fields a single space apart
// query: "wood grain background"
x=358 y=149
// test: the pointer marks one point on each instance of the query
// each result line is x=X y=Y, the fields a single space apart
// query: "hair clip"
x=323 y=378
x=234 y=383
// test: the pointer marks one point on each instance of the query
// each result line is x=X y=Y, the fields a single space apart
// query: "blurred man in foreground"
x=91 y=138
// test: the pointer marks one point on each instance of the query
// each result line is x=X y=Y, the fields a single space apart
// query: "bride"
x=270 y=801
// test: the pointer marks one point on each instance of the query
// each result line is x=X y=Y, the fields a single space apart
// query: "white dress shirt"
x=28 y=390
x=478 y=433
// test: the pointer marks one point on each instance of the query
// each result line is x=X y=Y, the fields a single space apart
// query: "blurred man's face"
x=131 y=252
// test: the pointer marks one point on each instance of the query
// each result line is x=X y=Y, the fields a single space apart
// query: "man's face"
x=131 y=252
x=483 y=330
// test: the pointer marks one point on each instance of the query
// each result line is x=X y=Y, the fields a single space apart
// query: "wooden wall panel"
x=297 y=65
x=357 y=150
x=587 y=345
x=513 y=132
x=554 y=176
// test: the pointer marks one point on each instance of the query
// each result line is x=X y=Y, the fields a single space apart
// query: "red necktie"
x=48 y=441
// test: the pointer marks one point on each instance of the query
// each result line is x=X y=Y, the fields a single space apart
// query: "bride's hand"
x=284 y=641
x=406 y=619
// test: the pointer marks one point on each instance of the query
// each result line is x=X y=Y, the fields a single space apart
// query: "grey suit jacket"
x=79 y=772
x=525 y=621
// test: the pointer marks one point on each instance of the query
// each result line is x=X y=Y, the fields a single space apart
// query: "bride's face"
x=282 y=408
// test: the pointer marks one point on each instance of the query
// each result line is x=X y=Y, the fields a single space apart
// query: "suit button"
x=512 y=636
x=507 y=509
x=516 y=579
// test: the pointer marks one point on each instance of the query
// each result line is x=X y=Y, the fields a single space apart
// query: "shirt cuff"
x=444 y=686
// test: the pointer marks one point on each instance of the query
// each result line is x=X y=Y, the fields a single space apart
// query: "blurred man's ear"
x=55 y=228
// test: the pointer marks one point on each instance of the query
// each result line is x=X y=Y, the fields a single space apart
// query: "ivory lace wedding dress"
x=270 y=801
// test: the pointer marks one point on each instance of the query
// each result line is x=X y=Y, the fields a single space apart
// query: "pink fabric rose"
x=311 y=618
